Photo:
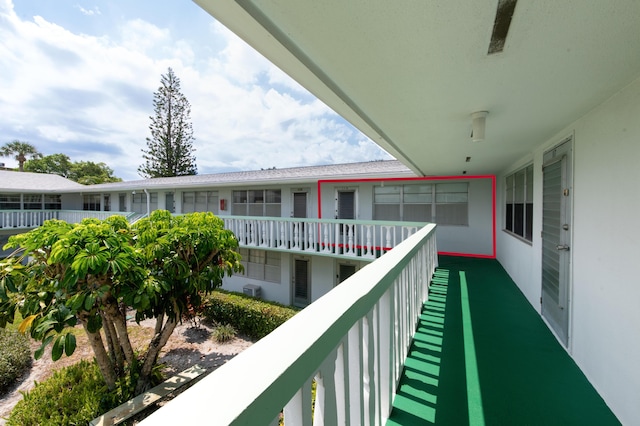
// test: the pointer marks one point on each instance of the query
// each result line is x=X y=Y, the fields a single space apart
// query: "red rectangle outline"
x=427 y=178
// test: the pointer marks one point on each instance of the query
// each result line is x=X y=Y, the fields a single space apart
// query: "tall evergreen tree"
x=169 y=149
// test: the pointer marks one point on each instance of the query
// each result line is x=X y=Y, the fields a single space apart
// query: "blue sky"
x=77 y=77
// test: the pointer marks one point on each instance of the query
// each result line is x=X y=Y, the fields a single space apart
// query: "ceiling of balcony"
x=410 y=73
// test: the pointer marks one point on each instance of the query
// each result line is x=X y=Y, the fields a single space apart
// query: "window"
x=52 y=202
x=139 y=202
x=32 y=201
x=262 y=202
x=519 y=203
x=9 y=201
x=91 y=202
x=451 y=203
x=261 y=265
x=443 y=203
x=200 y=201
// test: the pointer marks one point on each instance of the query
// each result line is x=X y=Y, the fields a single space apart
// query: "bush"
x=73 y=395
x=15 y=357
x=224 y=333
x=250 y=316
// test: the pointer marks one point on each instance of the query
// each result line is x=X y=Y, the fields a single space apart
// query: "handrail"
x=352 y=341
x=27 y=219
x=366 y=239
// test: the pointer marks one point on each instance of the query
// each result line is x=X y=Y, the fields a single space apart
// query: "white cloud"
x=88 y=12
x=91 y=97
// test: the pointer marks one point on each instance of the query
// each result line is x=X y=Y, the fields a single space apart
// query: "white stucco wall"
x=605 y=292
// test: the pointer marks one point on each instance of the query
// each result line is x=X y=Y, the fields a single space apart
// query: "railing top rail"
x=316 y=220
x=266 y=375
x=64 y=211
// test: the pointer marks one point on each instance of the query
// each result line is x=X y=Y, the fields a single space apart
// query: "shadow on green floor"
x=516 y=372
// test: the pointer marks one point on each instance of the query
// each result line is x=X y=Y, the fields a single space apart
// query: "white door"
x=556 y=238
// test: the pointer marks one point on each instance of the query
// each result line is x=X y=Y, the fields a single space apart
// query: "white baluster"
x=326 y=233
x=356 y=377
x=387 y=381
x=351 y=230
x=296 y=236
x=298 y=410
x=282 y=234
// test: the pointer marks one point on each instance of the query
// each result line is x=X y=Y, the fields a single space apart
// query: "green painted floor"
x=516 y=372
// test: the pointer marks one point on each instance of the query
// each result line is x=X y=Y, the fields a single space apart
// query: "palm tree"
x=20 y=151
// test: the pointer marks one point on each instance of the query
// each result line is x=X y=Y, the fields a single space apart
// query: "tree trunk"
x=156 y=344
x=115 y=352
x=159 y=321
x=120 y=323
x=102 y=358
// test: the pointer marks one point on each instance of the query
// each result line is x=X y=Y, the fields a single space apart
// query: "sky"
x=77 y=77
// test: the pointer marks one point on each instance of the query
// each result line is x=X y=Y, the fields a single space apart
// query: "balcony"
x=402 y=343
x=28 y=219
x=366 y=240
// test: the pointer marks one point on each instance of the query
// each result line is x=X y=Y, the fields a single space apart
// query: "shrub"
x=73 y=395
x=15 y=357
x=224 y=333
x=250 y=316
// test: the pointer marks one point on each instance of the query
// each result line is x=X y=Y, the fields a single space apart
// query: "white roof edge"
x=37 y=182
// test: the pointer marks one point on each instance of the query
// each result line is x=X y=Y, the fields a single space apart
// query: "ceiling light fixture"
x=478 y=124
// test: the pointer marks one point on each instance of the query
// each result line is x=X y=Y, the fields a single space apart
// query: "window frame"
x=10 y=201
x=52 y=201
x=247 y=202
x=256 y=262
x=428 y=194
x=200 y=201
x=518 y=203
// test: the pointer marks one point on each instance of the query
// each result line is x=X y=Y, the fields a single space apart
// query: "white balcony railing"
x=353 y=342
x=26 y=219
x=352 y=238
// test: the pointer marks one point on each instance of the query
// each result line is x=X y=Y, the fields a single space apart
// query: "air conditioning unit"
x=252 y=290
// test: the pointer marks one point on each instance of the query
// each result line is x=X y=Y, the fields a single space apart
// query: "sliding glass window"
x=518 y=218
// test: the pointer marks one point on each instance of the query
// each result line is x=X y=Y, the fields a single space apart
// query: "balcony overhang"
x=410 y=74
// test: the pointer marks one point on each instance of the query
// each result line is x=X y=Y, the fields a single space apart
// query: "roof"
x=287 y=175
x=11 y=181
x=27 y=182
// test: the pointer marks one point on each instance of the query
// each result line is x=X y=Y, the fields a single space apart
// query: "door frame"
x=355 y=201
x=345 y=262
x=309 y=300
x=551 y=156
x=305 y=191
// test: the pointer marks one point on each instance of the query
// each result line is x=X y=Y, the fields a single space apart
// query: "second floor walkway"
x=403 y=343
x=483 y=356
x=364 y=239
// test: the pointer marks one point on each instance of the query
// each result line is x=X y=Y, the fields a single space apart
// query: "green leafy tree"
x=170 y=148
x=57 y=164
x=85 y=172
x=90 y=173
x=20 y=151
x=95 y=272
